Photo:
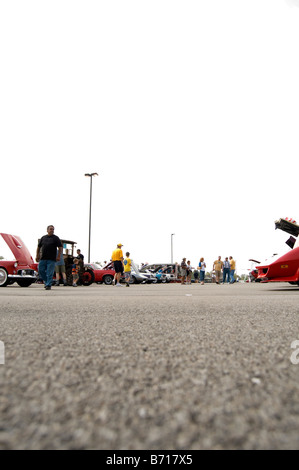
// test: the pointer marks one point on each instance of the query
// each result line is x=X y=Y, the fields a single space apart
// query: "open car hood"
x=287 y=226
x=18 y=249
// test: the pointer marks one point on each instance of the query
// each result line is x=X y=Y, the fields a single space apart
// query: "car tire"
x=108 y=280
x=87 y=277
x=25 y=282
x=3 y=277
x=133 y=280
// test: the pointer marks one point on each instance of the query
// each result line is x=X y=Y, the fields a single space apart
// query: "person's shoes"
x=118 y=285
x=47 y=287
x=75 y=285
x=65 y=283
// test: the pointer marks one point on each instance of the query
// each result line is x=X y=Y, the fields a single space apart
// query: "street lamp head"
x=91 y=174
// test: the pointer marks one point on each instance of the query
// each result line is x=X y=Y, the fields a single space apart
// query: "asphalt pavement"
x=150 y=367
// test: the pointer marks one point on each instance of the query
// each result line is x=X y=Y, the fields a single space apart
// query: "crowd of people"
x=49 y=255
x=226 y=268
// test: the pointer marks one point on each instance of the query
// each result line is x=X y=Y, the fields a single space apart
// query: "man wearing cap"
x=118 y=258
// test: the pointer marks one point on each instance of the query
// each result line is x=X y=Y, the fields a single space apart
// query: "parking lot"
x=160 y=366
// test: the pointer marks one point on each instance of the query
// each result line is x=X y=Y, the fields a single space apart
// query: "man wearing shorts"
x=60 y=269
x=217 y=267
x=183 y=271
x=118 y=258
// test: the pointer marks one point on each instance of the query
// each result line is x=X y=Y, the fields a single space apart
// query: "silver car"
x=138 y=277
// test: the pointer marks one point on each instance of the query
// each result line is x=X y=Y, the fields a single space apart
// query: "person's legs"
x=57 y=271
x=118 y=272
x=128 y=277
x=42 y=270
x=50 y=268
x=75 y=280
x=64 y=278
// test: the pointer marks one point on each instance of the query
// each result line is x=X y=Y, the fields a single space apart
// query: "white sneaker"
x=118 y=285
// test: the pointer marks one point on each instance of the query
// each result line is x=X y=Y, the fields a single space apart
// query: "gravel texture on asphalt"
x=149 y=367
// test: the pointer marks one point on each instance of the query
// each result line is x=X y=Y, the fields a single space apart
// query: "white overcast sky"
x=187 y=110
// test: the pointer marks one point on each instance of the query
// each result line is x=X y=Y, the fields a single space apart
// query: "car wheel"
x=108 y=280
x=133 y=280
x=25 y=282
x=87 y=277
x=3 y=277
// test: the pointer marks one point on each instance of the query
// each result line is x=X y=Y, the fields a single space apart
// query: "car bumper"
x=23 y=274
x=266 y=274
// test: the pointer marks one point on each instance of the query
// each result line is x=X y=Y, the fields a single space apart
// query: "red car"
x=283 y=269
x=286 y=267
x=95 y=273
x=23 y=269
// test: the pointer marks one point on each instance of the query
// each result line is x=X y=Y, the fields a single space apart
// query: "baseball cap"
x=120 y=244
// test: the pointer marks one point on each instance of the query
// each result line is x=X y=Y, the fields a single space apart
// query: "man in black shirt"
x=47 y=256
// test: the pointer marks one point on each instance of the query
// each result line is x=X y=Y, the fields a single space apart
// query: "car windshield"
x=109 y=266
x=96 y=266
x=93 y=266
x=150 y=268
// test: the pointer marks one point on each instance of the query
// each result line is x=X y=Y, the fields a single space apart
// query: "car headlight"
x=15 y=265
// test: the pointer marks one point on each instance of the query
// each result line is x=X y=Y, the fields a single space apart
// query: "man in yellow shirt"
x=118 y=258
x=217 y=266
x=232 y=270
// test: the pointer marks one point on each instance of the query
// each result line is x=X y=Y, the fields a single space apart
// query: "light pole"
x=172 y=248
x=90 y=175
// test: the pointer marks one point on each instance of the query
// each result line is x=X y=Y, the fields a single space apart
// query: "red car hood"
x=18 y=248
